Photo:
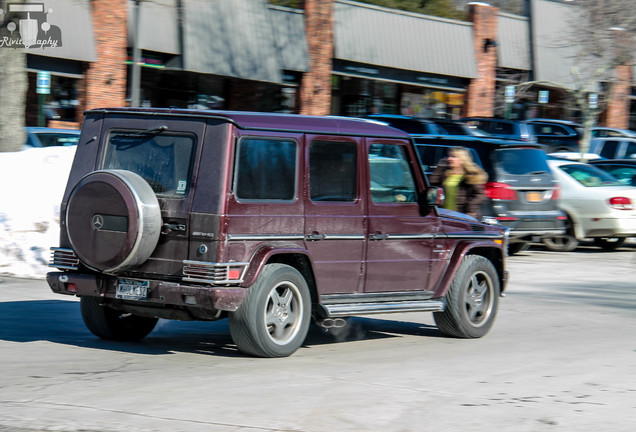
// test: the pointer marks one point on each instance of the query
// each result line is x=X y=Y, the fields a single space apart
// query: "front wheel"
x=609 y=243
x=471 y=301
x=274 y=318
x=111 y=324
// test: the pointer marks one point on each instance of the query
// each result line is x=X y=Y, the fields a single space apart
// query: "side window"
x=266 y=169
x=608 y=149
x=631 y=150
x=552 y=130
x=332 y=171
x=391 y=178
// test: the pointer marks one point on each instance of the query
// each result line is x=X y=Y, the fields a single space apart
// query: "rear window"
x=590 y=176
x=494 y=127
x=520 y=161
x=163 y=159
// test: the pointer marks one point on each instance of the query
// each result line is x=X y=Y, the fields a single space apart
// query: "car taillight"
x=556 y=193
x=621 y=203
x=500 y=191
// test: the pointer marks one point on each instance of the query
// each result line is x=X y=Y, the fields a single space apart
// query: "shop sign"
x=510 y=94
x=43 y=85
x=344 y=67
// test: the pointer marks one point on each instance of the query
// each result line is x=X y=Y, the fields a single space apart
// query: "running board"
x=369 y=308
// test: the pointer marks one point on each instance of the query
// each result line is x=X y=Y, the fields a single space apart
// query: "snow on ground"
x=32 y=184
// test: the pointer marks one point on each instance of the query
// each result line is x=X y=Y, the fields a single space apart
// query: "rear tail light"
x=621 y=203
x=500 y=191
x=556 y=193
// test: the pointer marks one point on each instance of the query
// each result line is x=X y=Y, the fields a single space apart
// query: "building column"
x=314 y=93
x=480 y=97
x=104 y=83
x=618 y=105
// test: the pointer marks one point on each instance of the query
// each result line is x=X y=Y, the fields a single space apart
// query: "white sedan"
x=598 y=206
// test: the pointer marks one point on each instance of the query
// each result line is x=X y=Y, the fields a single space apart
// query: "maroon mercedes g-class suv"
x=270 y=220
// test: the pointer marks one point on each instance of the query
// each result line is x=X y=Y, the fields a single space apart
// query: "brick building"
x=331 y=57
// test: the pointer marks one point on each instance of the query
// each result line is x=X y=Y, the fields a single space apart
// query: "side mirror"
x=435 y=196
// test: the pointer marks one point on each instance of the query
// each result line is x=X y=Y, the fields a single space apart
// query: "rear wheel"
x=111 y=324
x=471 y=301
x=563 y=243
x=609 y=243
x=274 y=318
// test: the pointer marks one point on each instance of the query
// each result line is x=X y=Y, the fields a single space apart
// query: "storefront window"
x=62 y=102
x=430 y=103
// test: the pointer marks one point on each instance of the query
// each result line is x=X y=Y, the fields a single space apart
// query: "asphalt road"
x=561 y=357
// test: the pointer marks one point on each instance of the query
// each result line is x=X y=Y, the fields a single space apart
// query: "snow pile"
x=32 y=184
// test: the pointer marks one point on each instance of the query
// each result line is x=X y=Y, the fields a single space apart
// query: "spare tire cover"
x=113 y=220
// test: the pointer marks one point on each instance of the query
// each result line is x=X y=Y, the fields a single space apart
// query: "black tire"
x=471 y=301
x=609 y=243
x=274 y=318
x=515 y=248
x=563 y=243
x=111 y=324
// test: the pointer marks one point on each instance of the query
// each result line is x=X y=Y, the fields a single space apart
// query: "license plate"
x=129 y=289
x=534 y=196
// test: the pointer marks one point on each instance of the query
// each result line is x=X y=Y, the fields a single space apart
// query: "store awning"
x=230 y=38
x=158 y=26
x=513 y=42
x=379 y=36
x=72 y=21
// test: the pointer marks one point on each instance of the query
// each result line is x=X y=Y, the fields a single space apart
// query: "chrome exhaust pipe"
x=331 y=323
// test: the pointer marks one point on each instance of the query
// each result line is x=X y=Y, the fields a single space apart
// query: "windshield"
x=521 y=161
x=590 y=176
x=163 y=159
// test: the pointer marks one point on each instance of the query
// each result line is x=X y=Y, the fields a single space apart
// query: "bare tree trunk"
x=13 y=88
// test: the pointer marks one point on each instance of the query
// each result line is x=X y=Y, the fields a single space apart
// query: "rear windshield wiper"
x=125 y=141
x=153 y=131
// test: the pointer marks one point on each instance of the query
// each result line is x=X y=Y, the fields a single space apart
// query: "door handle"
x=314 y=236
x=378 y=236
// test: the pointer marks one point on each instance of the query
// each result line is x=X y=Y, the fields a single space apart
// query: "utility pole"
x=135 y=80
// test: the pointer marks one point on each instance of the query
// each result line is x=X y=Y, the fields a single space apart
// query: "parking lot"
x=560 y=357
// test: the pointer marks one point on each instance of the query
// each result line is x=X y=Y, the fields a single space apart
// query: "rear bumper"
x=161 y=294
x=610 y=227
x=534 y=224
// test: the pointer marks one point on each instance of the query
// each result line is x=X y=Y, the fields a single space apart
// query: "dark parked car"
x=428 y=126
x=521 y=191
x=614 y=148
x=556 y=135
x=623 y=169
x=50 y=137
x=270 y=220
x=608 y=132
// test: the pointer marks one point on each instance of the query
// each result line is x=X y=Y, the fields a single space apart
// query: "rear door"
x=163 y=151
x=401 y=239
x=335 y=222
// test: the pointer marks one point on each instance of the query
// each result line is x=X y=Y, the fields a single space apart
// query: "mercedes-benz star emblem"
x=98 y=221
